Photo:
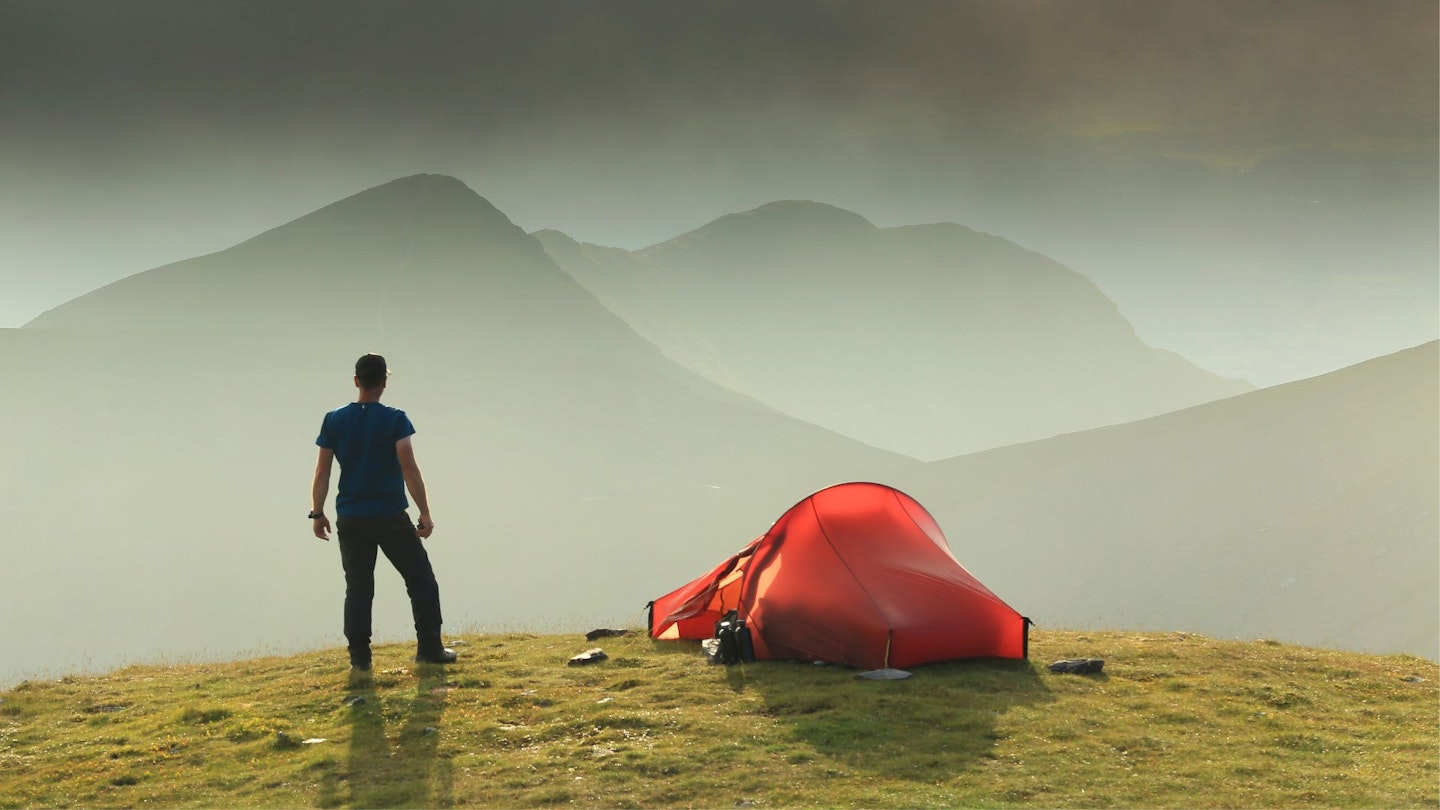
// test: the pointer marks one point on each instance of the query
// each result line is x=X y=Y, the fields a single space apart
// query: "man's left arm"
x=319 y=490
x=415 y=482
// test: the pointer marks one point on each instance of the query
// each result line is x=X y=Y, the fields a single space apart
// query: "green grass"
x=1175 y=720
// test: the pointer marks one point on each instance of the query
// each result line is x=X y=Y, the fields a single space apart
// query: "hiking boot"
x=445 y=656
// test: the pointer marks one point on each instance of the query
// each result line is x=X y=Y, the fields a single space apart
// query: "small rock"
x=605 y=700
x=429 y=730
x=604 y=632
x=1078 y=666
x=591 y=656
x=1413 y=679
x=355 y=700
x=313 y=741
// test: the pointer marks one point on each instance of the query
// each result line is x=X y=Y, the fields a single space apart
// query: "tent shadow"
x=940 y=721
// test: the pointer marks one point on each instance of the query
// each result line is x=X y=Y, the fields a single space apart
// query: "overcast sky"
x=1255 y=184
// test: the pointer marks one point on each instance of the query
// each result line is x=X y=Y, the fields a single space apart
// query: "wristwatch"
x=315 y=515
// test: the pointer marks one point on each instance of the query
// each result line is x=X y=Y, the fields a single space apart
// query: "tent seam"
x=895 y=493
x=889 y=624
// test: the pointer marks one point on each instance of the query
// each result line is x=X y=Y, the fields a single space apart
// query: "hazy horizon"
x=1154 y=198
x=1255 y=186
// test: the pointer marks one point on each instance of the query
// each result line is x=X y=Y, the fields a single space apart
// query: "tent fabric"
x=856 y=574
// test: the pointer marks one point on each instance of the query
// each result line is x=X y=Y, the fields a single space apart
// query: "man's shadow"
x=405 y=770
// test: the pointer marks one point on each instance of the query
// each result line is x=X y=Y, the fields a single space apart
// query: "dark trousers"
x=360 y=538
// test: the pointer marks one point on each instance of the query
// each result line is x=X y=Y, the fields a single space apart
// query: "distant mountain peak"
x=430 y=190
x=809 y=210
x=550 y=235
x=805 y=214
x=430 y=202
x=431 y=231
x=433 y=187
x=780 y=222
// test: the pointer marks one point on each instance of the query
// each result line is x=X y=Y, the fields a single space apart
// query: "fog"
x=830 y=319
x=577 y=469
x=1066 y=218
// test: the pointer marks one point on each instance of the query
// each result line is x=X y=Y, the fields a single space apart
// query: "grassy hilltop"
x=1174 y=720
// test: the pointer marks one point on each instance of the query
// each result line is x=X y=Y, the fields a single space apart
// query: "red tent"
x=856 y=574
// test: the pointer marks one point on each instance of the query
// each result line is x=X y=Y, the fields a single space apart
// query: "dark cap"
x=371 y=367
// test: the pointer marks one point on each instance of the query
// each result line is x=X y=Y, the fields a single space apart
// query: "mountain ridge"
x=785 y=304
x=428 y=200
x=992 y=343
x=416 y=256
x=1304 y=511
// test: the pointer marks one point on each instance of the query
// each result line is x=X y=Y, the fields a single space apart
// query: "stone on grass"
x=590 y=656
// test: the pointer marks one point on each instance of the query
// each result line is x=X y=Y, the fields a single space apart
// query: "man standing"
x=377 y=464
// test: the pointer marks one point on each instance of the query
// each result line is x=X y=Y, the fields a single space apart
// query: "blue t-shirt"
x=363 y=437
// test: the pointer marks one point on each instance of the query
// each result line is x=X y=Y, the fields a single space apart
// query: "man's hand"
x=321 y=527
x=424 y=526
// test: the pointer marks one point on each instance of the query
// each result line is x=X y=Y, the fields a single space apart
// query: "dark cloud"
x=1237 y=70
x=1136 y=140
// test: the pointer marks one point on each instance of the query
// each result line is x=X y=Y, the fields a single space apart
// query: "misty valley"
x=596 y=425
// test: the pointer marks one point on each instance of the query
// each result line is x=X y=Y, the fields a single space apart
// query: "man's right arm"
x=319 y=489
x=405 y=452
